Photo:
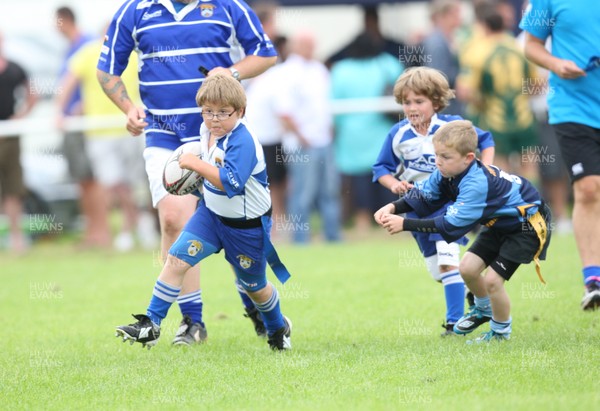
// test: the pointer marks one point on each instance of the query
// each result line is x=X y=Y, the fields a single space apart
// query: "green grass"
x=366 y=321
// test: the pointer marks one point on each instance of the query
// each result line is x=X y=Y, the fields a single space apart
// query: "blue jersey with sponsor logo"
x=411 y=155
x=243 y=173
x=480 y=195
x=171 y=46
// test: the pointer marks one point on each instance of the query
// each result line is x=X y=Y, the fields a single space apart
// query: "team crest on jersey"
x=207 y=10
x=218 y=162
x=194 y=248
x=245 y=261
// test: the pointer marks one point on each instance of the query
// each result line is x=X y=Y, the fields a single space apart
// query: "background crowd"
x=319 y=158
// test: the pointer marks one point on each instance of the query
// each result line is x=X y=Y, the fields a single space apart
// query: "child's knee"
x=493 y=282
x=467 y=269
x=251 y=283
x=174 y=264
x=190 y=249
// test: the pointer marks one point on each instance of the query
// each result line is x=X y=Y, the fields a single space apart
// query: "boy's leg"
x=173 y=213
x=499 y=300
x=147 y=329
x=448 y=257
x=251 y=310
x=278 y=327
x=244 y=250
x=501 y=324
x=470 y=269
x=187 y=251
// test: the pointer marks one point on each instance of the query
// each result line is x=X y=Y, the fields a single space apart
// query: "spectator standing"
x=115 y=158
x=492 y=84
x=96 y=229
x=304 y=108
x=366 y=72
x=440 y=48
x=13 y=80
x=262 y=117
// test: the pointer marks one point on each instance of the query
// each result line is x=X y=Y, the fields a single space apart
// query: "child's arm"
x=487 y=155
x=387 y=164
x=189 y=161
x=394 y=185
x=485 y=144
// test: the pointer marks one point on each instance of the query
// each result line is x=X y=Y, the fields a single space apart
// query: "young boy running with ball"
x=515 y=217
x=234 y=216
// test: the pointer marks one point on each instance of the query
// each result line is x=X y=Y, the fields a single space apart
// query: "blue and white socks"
x=163 y=296
x=483 y=305
x=271 y=313
x=191 y=305
x=454 y=290
x=501 y=327
x=246 y=300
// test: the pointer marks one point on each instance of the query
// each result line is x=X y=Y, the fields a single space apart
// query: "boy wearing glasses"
x=234 y=216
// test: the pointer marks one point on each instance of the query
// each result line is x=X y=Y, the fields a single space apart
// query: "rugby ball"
x=179 y=181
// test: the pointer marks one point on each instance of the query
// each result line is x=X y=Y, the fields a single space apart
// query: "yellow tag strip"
x=539 y=225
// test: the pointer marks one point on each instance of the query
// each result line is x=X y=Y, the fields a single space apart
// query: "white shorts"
x=447 y=254
x=116 y=160
x=156 y=158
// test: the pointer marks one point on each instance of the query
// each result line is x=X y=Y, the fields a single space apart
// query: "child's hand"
x=393 y=223
x=386 y=209
x=189 y=161
x=401 y=187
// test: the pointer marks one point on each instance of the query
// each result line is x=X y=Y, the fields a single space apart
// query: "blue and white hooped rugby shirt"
x=243 y=172
x=411 y=155
x=171 y=46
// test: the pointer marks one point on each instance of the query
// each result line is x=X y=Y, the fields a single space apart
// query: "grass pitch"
x=366 y=331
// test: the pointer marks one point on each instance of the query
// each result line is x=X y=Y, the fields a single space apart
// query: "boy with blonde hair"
x=515 y=217
x=408 y=155
x=234 y=216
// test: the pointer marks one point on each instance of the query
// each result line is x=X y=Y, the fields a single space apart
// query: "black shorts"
x=550 y=160
x=580 y=146
x=276 y=170
x=504 y=252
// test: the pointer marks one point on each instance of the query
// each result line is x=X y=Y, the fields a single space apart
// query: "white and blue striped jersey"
x=243 y=172
x=411 y=155
x=171 y=46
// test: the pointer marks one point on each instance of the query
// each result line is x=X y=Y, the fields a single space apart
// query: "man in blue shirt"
x=574 y=103
x=175 y=42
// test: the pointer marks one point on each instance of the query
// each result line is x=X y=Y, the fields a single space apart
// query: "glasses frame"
x=210 y=116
